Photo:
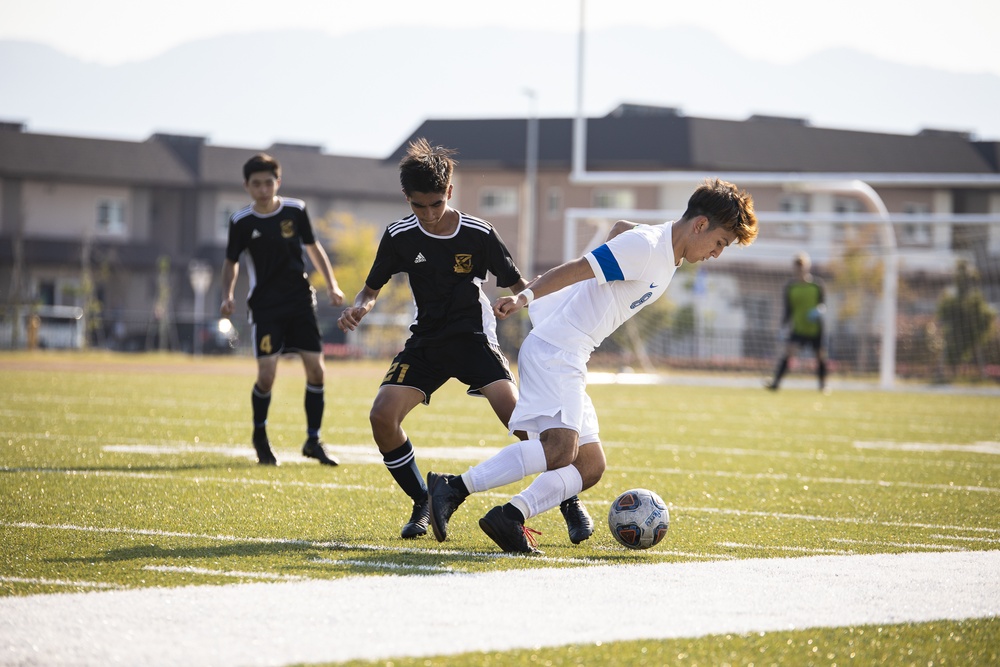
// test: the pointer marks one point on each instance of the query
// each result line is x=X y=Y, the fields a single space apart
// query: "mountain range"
x=365 y=92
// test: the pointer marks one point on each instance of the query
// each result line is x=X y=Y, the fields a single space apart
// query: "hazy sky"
x=958 y=35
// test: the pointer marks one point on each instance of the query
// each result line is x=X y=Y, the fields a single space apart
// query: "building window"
x=498 y=201
x=46 y=293
x=111 y=216
x=918 y=232
x=613 y=198
x=848 y=207
x=793 y=203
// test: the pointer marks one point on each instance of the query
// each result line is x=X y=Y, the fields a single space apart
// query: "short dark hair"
x=426 y=168
x=261 y=162
x=725 y=206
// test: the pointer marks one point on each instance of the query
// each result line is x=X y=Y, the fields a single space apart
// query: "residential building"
x=118 y=228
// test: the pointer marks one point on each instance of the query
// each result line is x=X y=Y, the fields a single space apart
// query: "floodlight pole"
x=580 y=121
x=527 y=236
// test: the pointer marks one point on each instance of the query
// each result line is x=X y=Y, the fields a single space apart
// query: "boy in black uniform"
x=281 y=303
x=446 y=254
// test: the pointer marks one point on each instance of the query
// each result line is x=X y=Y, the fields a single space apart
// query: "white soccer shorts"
x=552 y=392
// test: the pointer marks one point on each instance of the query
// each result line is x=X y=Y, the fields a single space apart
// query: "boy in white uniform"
x=598 y=293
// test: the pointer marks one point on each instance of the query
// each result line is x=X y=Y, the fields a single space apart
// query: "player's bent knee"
x=560 y=453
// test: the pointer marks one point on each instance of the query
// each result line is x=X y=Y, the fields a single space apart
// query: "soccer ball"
x=638 y=519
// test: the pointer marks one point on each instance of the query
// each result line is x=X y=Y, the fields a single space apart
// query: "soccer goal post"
x=726 y=313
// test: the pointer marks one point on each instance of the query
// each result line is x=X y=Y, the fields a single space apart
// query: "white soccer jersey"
x=631 y=271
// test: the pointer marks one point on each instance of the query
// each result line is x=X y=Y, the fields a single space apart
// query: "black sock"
x=402 y=465
x=260 y=402
x=458 y=484
x=821 y=371
x=512 y=513
x=314 y=409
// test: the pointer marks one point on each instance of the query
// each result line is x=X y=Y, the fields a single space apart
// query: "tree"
x=352 y=245
x=857 y=278
x=966 y=319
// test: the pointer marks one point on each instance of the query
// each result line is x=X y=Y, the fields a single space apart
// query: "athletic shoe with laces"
x=578 y=520
x=313 y=448
x=511 y=536
x=265 y=456
x=419 y=518
x=443 y=501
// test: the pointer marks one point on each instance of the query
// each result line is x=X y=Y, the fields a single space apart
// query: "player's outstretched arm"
x=230 y=270
x=551 y=281
x=363 y=303
x=321 y=261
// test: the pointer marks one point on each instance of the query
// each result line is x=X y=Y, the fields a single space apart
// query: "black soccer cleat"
x=578 y=520
x=443 y=501
x=511 y=536
x=265 y=456
x=314 y=450
x=419 y=518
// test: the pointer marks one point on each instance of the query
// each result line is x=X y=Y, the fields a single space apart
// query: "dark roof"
x=45 y=156
x=174 y=160
x=655 y=142
x=651 y=142
x=778 y=146
x=304 y=170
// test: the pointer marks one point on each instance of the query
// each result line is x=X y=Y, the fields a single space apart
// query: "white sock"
x=512 y=463
x=548 y=490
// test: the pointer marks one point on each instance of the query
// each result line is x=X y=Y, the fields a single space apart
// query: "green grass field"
x=136 y=471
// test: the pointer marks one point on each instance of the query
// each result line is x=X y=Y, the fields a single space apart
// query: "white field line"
x=60 y=582
x=768 y=547
x=504 y=610
x=901 y=545
x=384 y=565
x=965 y=538
x=973 y=448
x=834 y=519
x=826 y=457
x=666 y=552
x=224 y=573
x=783 y=477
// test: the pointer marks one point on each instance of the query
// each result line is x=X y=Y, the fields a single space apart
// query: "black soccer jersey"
x=275 y=263
x=446 y=274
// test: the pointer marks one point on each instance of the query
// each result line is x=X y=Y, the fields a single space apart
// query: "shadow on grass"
x=322 y=560
x=160 y=553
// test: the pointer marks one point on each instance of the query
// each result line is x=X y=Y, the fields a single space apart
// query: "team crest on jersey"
x=287 y=229
x=463 y=263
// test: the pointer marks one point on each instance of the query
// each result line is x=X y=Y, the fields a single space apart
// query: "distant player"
x=599 y=292
x=803 y=315
x=273 y=231
x=446 y=255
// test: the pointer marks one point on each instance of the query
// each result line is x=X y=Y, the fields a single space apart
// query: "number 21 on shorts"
x=396 y=372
